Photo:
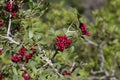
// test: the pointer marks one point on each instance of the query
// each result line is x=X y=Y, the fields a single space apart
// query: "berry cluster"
x=23 y=56
x=63 y=42
x=12 y=8
x=84 y=29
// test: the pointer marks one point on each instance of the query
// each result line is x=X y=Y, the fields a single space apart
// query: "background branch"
x=110 y=76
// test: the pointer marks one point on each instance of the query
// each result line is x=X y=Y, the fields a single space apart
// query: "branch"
x=68 y=30
x=53 y=56
x=101 y=56
x=10 y=39
x=101 y=59
x=91 y=42
x=114 y=63
x=72 y=67
x=49 y=61
x=110 y=76
x=96 y=78
x=96 y=72
x=9 y=24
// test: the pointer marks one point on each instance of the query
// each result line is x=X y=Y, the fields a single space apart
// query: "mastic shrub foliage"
x=41 y=40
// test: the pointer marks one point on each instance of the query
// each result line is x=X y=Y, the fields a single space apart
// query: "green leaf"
x=15 y=77
x=15 y=71
x=30 y=34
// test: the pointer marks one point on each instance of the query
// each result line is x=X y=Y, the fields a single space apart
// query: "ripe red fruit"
x=66 y=73
x=1 y=51
x=84 y=29
x=1 y=76
x=63 y=42
x=16 y=58
x=8 y=6
x=26 y=76
x=13 y=9
x=22 y=50
x=1 y=23
x=28 y=56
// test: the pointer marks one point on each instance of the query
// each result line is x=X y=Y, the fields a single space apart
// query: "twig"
x=9 y=25
x=45 y=64
x=72 y=67
x=96 y=72
x=40 y=2
x=114 y=63
x=96 y=78
x=56 y=52
x=101 y=56
x=49 y=61
x=110 y=76
x=91 y=42
x=10 y=39
x=68 y=30
x=101 y=59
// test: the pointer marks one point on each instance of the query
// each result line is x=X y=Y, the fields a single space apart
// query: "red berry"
x=28 y=56
x=65 y=73
x=8 y=6
x=1 y=76
x=16 y=58
x=22 y=50
x=84 y=29
x=12 y=9
x=63 y=42
x=1 y=51
x=1 y=23
x=26 y=76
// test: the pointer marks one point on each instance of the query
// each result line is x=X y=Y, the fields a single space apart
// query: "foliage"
x=36 y=25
